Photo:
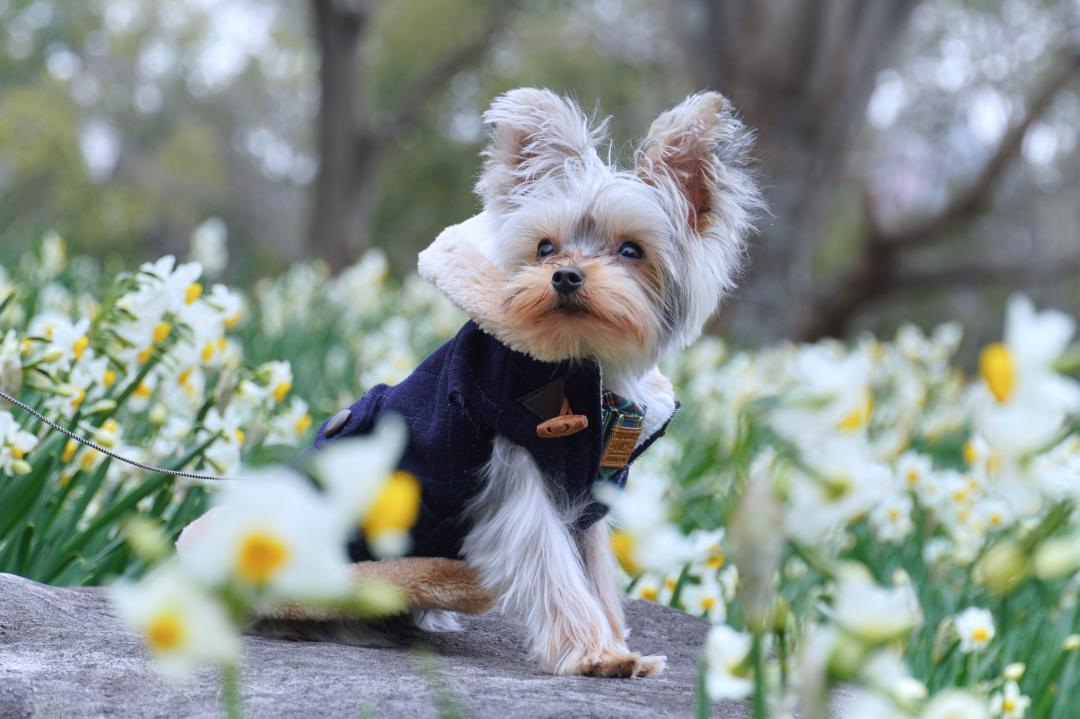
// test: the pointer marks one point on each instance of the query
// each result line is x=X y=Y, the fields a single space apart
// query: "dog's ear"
x=534 y=134
x=697 y=152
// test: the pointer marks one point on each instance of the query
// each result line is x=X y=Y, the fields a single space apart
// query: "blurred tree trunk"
x=351 y=145
x=337 y=215
x=801 y=74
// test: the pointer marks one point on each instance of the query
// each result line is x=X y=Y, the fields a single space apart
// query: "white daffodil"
x=975 y=629
x=278 y=378
x=705 y=599
x=354 y=470
x=726 y=674
x=648 y=587
x=873 y=614
x=271 y=535
x=1009 y=703
x=1021 y=369
x=291 y=425
x=887 y=672
x=913 y=470
x=955 y=704
x=843 y=483
x=644 y=538
x=183 y=627
x=891 y=518
x=831 y=395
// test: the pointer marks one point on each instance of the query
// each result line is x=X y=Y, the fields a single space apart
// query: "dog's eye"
x=546 y=248
x=631 y=251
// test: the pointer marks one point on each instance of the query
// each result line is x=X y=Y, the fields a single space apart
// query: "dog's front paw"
x=622 y=663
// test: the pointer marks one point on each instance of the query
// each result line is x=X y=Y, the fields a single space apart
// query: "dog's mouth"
x=570 y=306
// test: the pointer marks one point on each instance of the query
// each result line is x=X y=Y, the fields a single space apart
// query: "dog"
x=578 y=278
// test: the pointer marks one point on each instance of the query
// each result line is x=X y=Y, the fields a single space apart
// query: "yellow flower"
x=859 y=416
x=69 y=451
x=260 y=556
x=622 y=544
x=397 y=506
x=143 y=391
x=998 y=370
x=109 y=378
x=161 y=332
x=165 y=632
x=303 y=424
x=80 y=346
x=145 y=355
x=193 y=292
x=281 y=390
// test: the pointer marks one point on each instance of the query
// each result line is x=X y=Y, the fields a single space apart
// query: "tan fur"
x=430 y=582
x=425 y=582
x=610 y=325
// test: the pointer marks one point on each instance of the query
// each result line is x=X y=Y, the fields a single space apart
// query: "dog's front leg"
x=525 y=555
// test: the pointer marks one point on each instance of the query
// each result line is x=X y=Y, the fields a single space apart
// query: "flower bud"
x=1014 y=671
x=1002 y=569
x=1057 y=557
x=159 y=415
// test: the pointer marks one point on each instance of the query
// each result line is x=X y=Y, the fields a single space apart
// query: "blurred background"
x=920 y=157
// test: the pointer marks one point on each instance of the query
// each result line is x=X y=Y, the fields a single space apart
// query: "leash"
x=109 y=453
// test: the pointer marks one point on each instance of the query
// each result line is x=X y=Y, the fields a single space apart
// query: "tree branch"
x=971 y=201
x=875 y=274
x=981 y=274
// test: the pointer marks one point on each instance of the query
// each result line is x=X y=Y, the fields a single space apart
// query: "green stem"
x=757 y=652
x=230 y=690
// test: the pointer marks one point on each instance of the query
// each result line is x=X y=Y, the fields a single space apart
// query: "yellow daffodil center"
x=1008 y=705
x=231 y=321
x=649 y=594
x=670 y=584
x=397 y=506
x=165 y=633
x=69 y=451
x=622 y=544
x=109 y=378
x=303 y=424
x=143 y=390
x=912 y=477
x=708 y=603
x=715 y=561
x=859 y=416
x=17 y=453
x=145 y=355
x=161 y=331
x=998 y=371
x=980 y=634
x=208 y=352
x=260 y=557
x=971 y=453
x=80 y=346
x=281 y=390
x=193 y=292
x=239 y=434
x=78 y=399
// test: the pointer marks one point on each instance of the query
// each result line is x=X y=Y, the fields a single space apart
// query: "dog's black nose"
x=567 y=280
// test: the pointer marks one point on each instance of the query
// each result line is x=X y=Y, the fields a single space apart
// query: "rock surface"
x=64 y=654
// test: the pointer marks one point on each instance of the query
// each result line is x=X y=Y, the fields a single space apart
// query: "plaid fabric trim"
x=622 y=421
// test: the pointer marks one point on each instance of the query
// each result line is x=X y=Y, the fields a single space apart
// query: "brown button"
x=337 y=422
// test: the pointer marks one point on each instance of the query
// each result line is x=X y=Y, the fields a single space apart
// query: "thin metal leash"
x=94 y=445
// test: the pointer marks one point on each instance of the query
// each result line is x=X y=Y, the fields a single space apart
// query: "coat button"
x=337 y=422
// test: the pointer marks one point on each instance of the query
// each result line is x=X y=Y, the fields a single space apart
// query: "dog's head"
x=594 y=261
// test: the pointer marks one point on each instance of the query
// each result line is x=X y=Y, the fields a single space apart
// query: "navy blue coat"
x=469 y=390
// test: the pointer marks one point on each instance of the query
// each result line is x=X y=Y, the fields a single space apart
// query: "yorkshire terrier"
x=578 y=278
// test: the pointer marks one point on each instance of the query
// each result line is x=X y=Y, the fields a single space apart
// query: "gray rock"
x=64 y=654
